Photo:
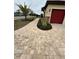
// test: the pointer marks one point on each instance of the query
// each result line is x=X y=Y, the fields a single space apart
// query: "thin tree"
x=24 y=9
x=44 y=13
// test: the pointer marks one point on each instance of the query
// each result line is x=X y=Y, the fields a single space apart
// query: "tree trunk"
x=44 y=13
x=25 y=17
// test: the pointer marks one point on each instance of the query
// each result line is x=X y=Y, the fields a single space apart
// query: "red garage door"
x=57 y=16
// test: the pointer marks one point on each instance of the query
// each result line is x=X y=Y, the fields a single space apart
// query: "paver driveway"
x=33 y=43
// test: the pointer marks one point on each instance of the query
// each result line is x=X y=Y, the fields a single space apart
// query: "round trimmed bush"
x=43 y=24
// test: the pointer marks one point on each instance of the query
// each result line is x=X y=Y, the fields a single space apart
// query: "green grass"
x=20 y=23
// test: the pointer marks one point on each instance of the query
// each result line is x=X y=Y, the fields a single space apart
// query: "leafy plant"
x=44 y=24
x=24 y=9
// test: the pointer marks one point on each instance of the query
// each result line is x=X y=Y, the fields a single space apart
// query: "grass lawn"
x=20 y=23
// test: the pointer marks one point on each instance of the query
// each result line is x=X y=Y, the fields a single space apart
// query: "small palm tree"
x=44 y=13
x=24 y=9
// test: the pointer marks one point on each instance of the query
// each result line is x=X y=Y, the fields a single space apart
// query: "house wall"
x=49 y=10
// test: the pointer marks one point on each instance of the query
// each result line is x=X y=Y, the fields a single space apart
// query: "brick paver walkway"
x=33 y=43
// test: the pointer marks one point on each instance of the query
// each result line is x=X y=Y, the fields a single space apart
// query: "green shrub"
x=44 y=24
x=30 y=18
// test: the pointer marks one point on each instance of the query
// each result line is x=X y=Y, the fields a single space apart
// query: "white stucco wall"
x=49 y=10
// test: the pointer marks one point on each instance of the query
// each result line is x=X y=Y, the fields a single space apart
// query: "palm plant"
x=44 y=13
x=24 y=9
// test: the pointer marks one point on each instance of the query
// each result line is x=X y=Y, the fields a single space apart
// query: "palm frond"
x=24 y=9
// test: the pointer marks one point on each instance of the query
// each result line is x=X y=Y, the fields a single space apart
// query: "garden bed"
x=21 y=23
x=43 y=24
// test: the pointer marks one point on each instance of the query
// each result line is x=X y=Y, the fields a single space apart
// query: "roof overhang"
x=53 y=3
